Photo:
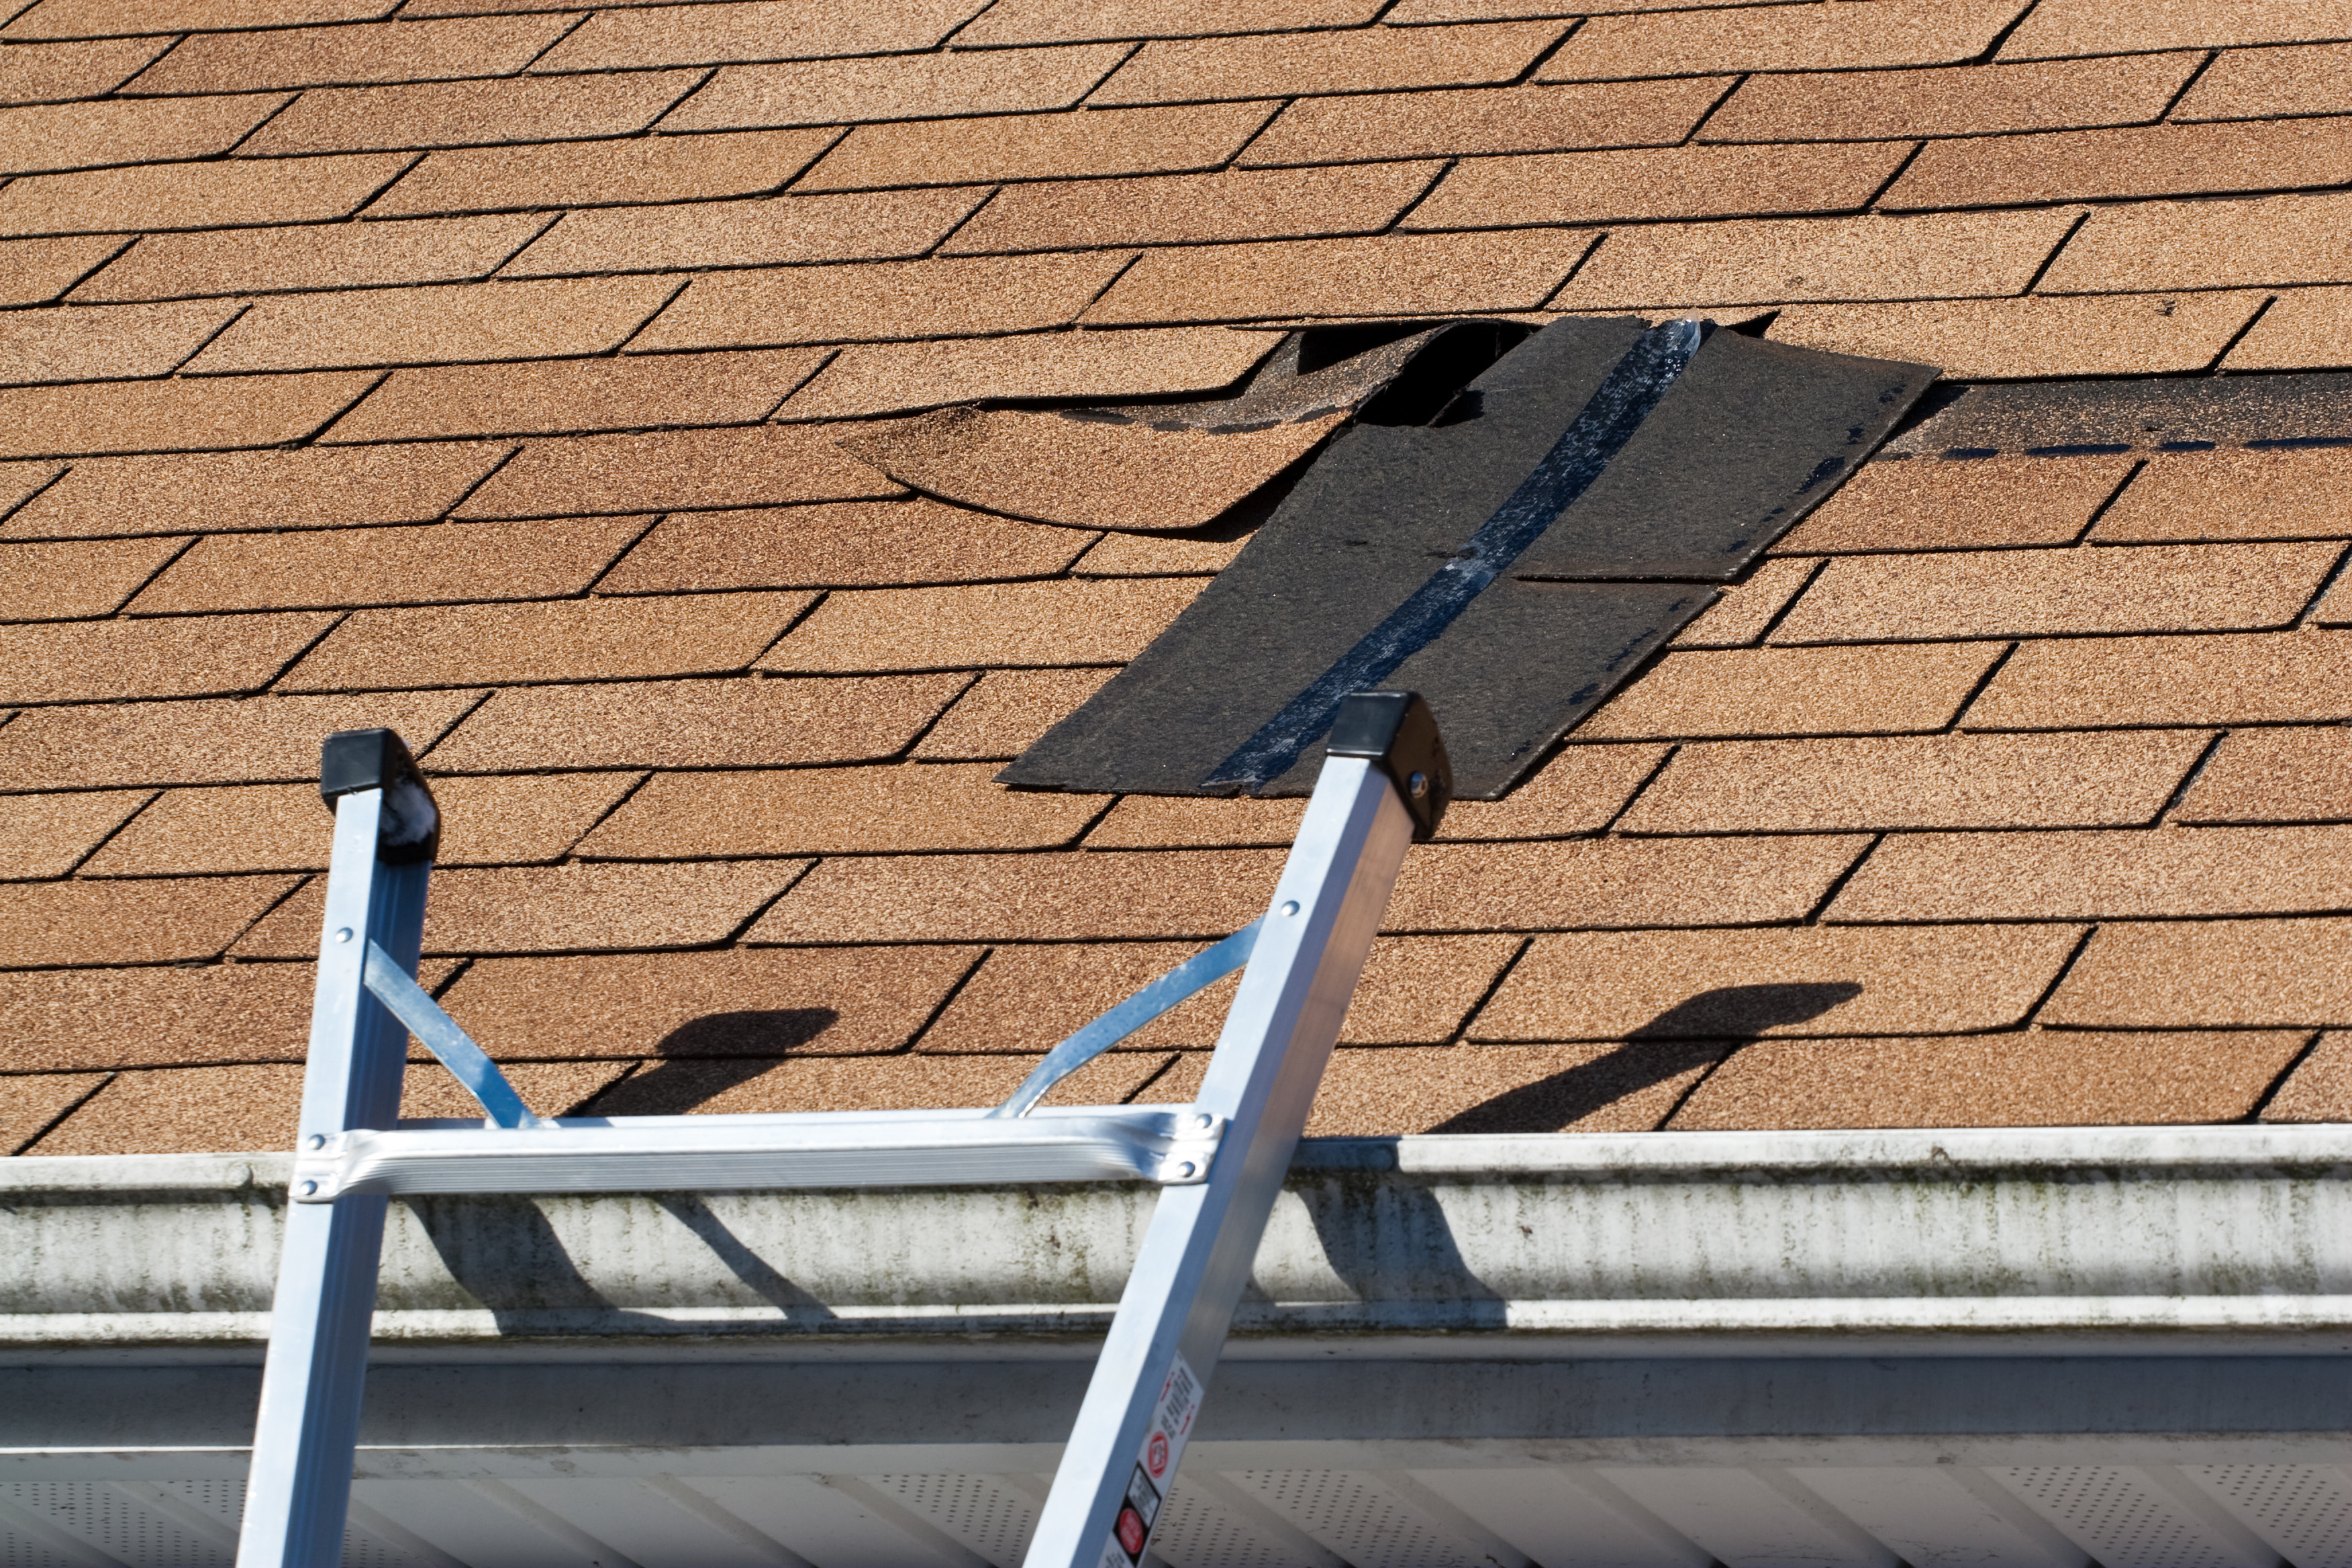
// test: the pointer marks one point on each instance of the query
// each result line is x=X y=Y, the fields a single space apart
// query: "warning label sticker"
x=1163 y=1446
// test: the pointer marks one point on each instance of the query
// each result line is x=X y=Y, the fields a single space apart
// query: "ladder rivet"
x=1204 y=1122
x=1186 y=1169
x=308 y=1188
x=1417 y=786
x=342 y=933
x=316 y=1141
x=1290 y=906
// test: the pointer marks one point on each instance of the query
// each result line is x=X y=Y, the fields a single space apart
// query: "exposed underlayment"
x=485 y=375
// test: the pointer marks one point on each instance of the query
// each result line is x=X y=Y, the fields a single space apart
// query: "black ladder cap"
x=1397 y=730
x=355 y=759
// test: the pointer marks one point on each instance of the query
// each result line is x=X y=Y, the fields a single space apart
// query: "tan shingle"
x=230 y=491
x=1176 y=209
x=1924 y=504
x=2320 y=1087
x=553 y=396
x=2290 y=494
x=2248 y=84
x=896 y=87
x=1005 y=710
x=836 y=811
x=850 y=545
x=31 y=1103
x=48 y=834
x=1795 y=691
x=36 y=271
x=2242 y=680
x=1781 y=37
x=338 y=256
x=195 y=195
x=2095 y=28
x=55 y=73
x=1367 y=126
x=1064 y=21
x=1607 y=985
x=58 y=582
x=1954 y=100
x=2150 y=161
x=1769 y=260
x=856 y=227
x=196 y=656
x=470 y=113
x=436 y=564
x=1607 y=883
x=171 y=416
x=688 y=724
x=600 y=174
x=100 y=19
x=891 y=378
x=2034 y=337
x=223 y=742
x=94 y=135
x=625 y=39
x=570 y=639
x=157 y=921
x=1666 y=183
x=437 y=324
x=2215 y=973
x=940 y=299
x=1433 y=274
x=2026 y=1079
x=1018 y=898
x=1034 y=147
x=2304 y=329
x=381 y=52
x=104 y=343
x=743 y=465
x=1106 y=622
x=2204 y=245
x=2275 y=775
x=152 y=1017
x=1366 y=59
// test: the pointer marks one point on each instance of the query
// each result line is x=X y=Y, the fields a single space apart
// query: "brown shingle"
x=1996 y=339
x=2113 y=780
x=2275 y=775
x=2304 y=329
x=96 y=661
x=2007 y=593
x=58 y=582
x=1954 y=100
x=1781 y=37
x=193 y=195
x=1926 y=505
x=457 y=321
x=1064 y=21
x=31 y=1103
x=551 y=397
x=1179 y=821
x=1005 y=710
x=896 y=87
x=595 y=173
x=59 y=923
x=1795 y=691
x=901 y=299
x=439 y=562
x=1440 y=274
x=280 y=827
x=762 y=1002
x=2128 y=875
x=1768 y=260
x=470 y=113
x=2253 y=84
x=1579 y=791
x=1105 y=622
x=1663 y=183
x=856 y=227
x=2320 y=1087
x=228 y=492
x=755 y=31
x=552 y=909
x=225 y=741
x=2232 y=495
x=2024 y=1079
x=1484 y=120
x=1414 y=990
x=1741 y=616
x=2222 y=973
x=55 y=73
x=1034 y=147
x=1363 y=59
x=336 y=256
x=382 y=52
x=688 y=724
x=2242 y=679
x=859 y=545
x=2094 y=26
x=836 y=811
x=2148 y=161
x=36 y=271
x=891 y=378
x=73 y=343
x=1605 y=883
x=48 y=834
x=1607 y=985
x=2205 y=245
x=1017 y=897
x=572 y=639
x=1175 y=209
x=99 y=18
x=863 y=1083
x=54 y=137
x=1487 y=1089
x=171 y=416
x=744 y=466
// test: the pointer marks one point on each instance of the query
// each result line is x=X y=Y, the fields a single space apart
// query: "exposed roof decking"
x=538 y=359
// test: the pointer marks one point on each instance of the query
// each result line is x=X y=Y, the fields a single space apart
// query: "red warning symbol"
x=1131 y=1530
x=1155 y=1455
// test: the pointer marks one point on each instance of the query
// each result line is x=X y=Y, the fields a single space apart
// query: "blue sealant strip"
x=1627 y=397
x=1200 y=971
x=466 y=1061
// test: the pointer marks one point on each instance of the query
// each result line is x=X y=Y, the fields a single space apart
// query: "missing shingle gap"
x=1901 y=165
x=1783 y=613
x=589 y=588
x=1461 y=1030
x=905 y=753
x=2319 y=594
x=1446 y=166
x=2221 y=355
x=578 y=23
x=971 y=969
x=1543 y=55
x=2055 y=252
x=1739 y=80
x=1640 y=789
x=108 y=836
x=2187 y=782
x=2174 y=101
x=2065 y=967
x=54 y=1122
x=2083 y=534
x=458 y=972
x=258 y=127
x=2278 y=1083
x=1731 y=1050
x=1992 y=51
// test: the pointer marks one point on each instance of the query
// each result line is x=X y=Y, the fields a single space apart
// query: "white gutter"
x=2204 y=1239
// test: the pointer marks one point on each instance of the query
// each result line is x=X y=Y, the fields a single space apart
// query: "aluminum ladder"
x=1219 y=1162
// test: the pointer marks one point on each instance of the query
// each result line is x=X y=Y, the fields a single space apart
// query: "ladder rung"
x=1171 y=1145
